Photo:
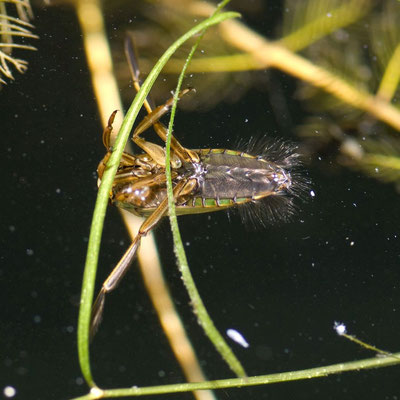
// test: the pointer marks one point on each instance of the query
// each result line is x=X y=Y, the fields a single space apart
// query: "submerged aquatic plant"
x=12 y=28
x=367 y=54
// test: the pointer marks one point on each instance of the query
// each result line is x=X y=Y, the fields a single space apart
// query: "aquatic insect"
x=261 y=182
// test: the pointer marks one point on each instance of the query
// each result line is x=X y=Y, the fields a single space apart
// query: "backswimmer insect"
x=261 y=182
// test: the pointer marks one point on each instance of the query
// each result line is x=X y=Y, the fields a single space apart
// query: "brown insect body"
x=262 y=178
x=220 y=179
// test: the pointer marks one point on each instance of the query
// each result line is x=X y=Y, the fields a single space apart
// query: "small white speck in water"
x=340 y=328
x=9 y=391
x=237 y=337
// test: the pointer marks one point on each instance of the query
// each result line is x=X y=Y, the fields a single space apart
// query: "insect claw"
x=97 y=313
x=108 y=129
x=111 y=119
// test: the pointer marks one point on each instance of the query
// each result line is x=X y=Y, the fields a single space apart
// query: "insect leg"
x=126 y=158
x=153 y=119
x=135 y=183
x=121 y=268
x=182 y=152
x=107 y=131
x=154 y=113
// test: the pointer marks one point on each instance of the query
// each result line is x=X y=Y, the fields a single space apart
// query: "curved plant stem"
x=198 y=306
x=319 y=372
x=89 y=275
x=98 y=54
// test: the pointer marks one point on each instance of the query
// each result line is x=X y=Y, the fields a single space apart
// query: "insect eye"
x=176 y=162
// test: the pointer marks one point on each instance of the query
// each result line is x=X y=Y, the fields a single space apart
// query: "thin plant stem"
x=200 y=310
x=223 y=63
x=319 y=372
x=90 y=15
x=391 y=77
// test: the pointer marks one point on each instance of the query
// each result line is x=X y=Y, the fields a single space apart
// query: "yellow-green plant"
x=14 y=28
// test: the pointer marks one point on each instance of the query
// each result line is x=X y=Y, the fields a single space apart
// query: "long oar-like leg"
x=121 y=268
x=155 y=113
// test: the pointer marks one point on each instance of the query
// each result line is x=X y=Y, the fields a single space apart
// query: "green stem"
x=89 y=275
x=200 y=310
x=319 y=372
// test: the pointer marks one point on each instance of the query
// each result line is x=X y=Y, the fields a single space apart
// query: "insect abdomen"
x=236 y=175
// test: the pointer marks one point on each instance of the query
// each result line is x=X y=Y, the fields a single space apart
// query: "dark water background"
x=282 y=287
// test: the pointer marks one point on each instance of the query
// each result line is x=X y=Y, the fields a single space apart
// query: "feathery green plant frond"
x=11 y=29
x=305 y=22
x=368 y=56
x=380 y=159
x=385 y=42
x=361 y=144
